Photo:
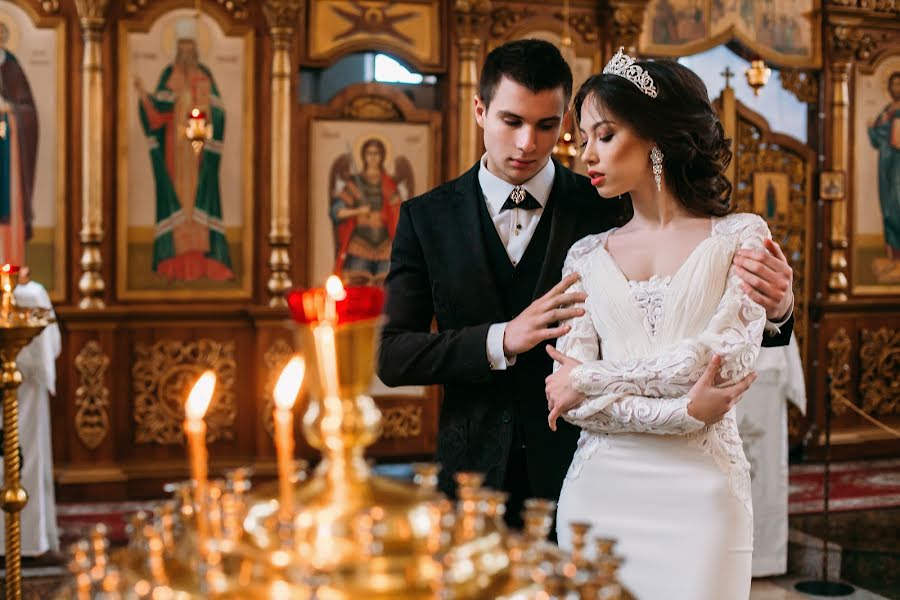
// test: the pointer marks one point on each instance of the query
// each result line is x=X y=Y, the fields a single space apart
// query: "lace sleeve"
x=734 y=333
x=617 y=411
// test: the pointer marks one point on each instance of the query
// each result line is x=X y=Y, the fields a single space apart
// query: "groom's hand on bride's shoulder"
x=710 y=403
x=768 y=279
x=540 y=321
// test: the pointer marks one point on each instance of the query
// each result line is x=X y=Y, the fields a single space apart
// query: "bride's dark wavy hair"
x=681 y=121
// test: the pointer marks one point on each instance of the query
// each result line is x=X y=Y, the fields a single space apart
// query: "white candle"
x=286 y=390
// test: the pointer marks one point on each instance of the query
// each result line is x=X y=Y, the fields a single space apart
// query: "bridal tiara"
x=623 y=65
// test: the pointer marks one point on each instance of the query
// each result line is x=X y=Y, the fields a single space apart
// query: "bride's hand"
x=710 y=403
x=560 y=394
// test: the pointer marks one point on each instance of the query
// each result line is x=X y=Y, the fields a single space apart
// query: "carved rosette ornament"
x=372 y=108
x=401 y=421
x=879 y=364
x=274 y=359
x=91 y=395
x=503 y=19
x=839 y=370
x=627 y=23
x=162 y=377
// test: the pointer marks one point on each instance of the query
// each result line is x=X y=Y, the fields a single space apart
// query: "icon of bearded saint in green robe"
x=189 y=237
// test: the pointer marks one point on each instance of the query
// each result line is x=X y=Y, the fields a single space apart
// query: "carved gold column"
x=843 y=43
x=728 y=116
x=627 y=23
x=282 y=16
x=92 y=14
x=471 y=16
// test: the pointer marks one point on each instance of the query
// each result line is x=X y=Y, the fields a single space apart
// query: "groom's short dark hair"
x=535 y=64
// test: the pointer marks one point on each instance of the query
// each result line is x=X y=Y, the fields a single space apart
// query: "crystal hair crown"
x=623 y=65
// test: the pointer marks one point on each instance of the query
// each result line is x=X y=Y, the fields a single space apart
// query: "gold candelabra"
x=342 y=532
x=18 y=326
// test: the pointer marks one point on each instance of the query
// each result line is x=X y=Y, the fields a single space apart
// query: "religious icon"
x=770 y=194
x=18 y=154
x=189 y=238
x=365 y=202
x=884 y=136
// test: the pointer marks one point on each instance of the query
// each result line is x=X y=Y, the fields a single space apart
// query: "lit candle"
x=324 y=335
x=195 y=431
x=285 y=393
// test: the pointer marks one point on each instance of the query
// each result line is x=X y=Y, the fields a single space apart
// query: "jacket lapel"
x=479 y=281
x=562 y=230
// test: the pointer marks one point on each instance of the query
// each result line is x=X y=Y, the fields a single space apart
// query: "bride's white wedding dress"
x=673 y=491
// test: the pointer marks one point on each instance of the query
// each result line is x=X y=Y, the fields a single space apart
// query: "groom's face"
x=520 y=129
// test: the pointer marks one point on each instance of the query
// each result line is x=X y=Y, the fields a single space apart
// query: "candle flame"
x=289 y=383
x=200 y=396
x=195 y=113
x=7 y=268
x=334 y=288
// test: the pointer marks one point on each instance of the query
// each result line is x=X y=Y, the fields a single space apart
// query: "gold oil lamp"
x=757 y=75
x=18 y=326
x=198 y=129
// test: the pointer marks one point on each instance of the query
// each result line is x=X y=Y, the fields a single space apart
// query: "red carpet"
x=76 y=520
x=853 y=486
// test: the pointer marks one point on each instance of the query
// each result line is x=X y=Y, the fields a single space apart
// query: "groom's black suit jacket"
x=449 y=263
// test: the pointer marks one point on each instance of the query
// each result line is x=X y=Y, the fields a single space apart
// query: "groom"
x=483 y=255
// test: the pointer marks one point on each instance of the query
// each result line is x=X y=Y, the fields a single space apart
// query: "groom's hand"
x=710 y=403
x=768 y=279
x=533 y=325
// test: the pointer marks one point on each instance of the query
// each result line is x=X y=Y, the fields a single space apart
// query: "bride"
x=660 y=465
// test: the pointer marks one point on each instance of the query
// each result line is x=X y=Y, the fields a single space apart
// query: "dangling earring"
x=656 y=157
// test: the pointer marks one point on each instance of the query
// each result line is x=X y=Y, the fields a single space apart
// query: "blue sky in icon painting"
x=780 y=107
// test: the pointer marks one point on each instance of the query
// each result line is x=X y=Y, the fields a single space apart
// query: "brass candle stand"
x=344 y=533
x=18 y=326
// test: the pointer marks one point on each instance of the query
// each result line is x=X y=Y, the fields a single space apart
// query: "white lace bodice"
x=643 y=345
x=649 y=295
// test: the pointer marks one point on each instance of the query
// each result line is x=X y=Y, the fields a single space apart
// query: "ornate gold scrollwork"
x=372 y=108
x=92 y=395
x=162 y=376
x=627 y=23
x=803 y=84
x=237 y=8
x=503 y=18
x=839 y=369
x=754 y=153
x=50 y=6
x=401 y=421
x=879 y=363
x=278 y=355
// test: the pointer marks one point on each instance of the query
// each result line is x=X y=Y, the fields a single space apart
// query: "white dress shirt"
x=515 y=228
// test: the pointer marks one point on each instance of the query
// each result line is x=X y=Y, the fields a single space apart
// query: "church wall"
x=130 y=351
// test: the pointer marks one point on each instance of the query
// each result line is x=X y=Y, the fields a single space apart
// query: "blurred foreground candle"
x=8 y=274
x=195 y=431
x=286 y=390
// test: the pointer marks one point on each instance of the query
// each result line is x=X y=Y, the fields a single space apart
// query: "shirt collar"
x=497 y=190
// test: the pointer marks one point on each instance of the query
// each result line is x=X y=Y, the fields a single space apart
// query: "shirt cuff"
x=497 y=360
x=773 y=327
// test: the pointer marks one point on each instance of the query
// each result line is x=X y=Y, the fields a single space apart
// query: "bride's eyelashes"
x=604 y=139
